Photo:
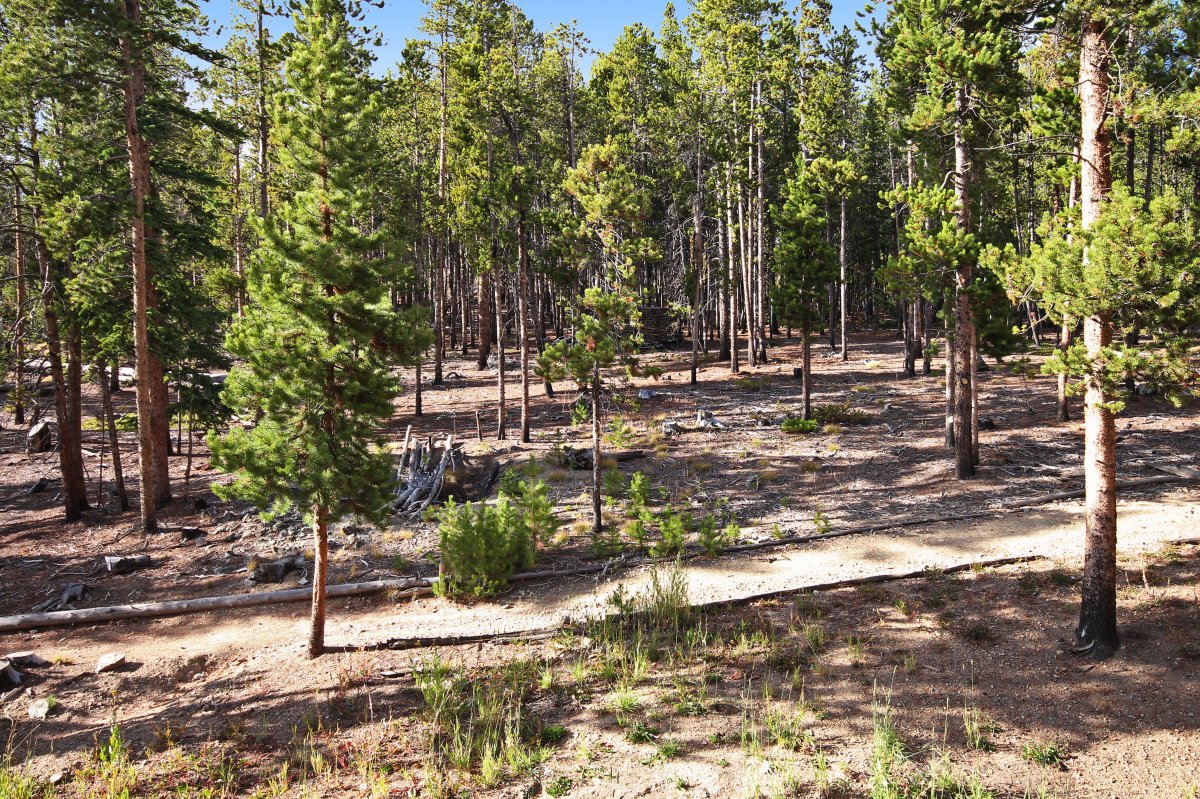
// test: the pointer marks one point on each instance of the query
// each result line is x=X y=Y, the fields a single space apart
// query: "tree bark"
x=151 y=407
x=842 y=279
x=316 y=632
x=114 y=440
x=501 y=409
x=19 y=328
x=523 y=319
x=806 y=372
x=597 y=518
x=1097 y=628
x=964 y=323
x=487 y=323
x=66 y=400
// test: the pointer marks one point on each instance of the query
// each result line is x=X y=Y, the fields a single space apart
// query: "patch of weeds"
x=751 y=383
x=1027 y=583
x=833 y=429
x=821 y=522
x=559 y=786
x=841 y=412
x=1045 y=753
x=978 y=728
x=1062 y=579
x=669 y=750
x=620 y=434
x=641 y=733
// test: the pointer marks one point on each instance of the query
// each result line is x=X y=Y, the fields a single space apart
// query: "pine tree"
x=320 y=334
x=804 y=264
x=607 y=241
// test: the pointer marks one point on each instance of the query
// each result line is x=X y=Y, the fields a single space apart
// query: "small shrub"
x=614 y=484
x=794 y=424
x=553 y=734
x=619 y=434
x=673 y=536
x=482 y=546
x=639 y=492
x=839 y=413
x=713 y=541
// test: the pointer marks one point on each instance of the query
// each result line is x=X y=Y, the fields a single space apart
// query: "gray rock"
x=110 y=662
x=39 y=709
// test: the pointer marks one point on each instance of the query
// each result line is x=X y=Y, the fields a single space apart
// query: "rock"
x=39 y=438
x=123 y=564
x=110 y=662
x=191 y=533
x=987 y=424
x=645 y=394
x=41 y=485
x=39 y=709
x=26 y=659
x=671 y=428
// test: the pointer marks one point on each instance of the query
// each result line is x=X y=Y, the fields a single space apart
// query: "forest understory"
x=781 y=696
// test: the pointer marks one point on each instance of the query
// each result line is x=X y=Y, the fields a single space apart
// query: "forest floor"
x=766 y=698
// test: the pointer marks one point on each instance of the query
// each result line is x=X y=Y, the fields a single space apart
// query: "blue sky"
x=602 y=22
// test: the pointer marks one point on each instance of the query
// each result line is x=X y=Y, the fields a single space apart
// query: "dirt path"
x=1055 y=531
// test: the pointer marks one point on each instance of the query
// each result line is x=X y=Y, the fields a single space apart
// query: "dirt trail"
x=1054 y=531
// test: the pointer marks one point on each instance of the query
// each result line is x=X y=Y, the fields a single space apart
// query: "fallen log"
x=146 y=610
x=1045 y=499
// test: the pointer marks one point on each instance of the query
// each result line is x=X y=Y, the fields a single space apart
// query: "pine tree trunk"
x=948 y=301
x=18 y=407
x=597 y=518
x=1064 y=344
x=806 y=371
x=114 y=440
x=501 y=410
x=70 y=453
x=263 y=124
x=487 y=322
x=439 y=295
x=151 y=406
x=1098 y=608
x=316 y=631
x=842 y=279
x=731 y=255
x=964 y=323
x=523 y=319
x=698 y=265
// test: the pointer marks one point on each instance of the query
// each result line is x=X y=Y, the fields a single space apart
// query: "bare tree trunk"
x=70 y=453
x=19 y=327
x=487 y=322
x=732 y=320
x=114 y=440
x=263 y=124
x=316 y=632
x=950 y=377
x=501 y=410
x=418 y=408
x=698 y=265
x=439 y=293
x=842 y=280
x=151 y=409
x=597 y=518
x=1097 y=628
x=523 y=320
x=964 y=323
x=806 y=371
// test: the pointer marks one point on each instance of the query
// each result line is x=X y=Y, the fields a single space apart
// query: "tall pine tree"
x=320 y=334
